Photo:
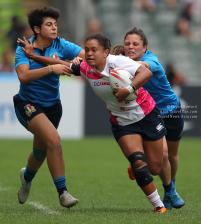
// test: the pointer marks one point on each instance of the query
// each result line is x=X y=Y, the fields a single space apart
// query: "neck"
x=41 y=43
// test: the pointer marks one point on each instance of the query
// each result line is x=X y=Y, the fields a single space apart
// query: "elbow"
x=149 y=75
x=22 y=79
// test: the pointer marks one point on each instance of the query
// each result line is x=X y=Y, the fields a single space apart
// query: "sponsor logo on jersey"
x=29 y=109
x=54 y=55
x=159 y=127
x=96 y=83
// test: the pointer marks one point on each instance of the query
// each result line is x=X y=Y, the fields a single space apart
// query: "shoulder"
x=64 y=42
x=59 y=43
x=84 y=66
x=150 y=56
x=118 y=60
x=86 y=69
x=20 y=52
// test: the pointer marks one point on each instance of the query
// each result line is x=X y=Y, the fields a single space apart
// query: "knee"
x=137 y=160
x=54 y=144
x=172 y=157
x=155 y=169
x=140 y=169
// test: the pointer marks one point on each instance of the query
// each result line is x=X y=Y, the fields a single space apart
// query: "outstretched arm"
x=28 y=48
x=26 y=75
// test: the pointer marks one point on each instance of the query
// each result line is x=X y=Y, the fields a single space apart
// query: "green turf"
x=96 y=173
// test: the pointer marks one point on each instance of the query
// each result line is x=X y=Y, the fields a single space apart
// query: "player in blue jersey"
x=38 y=106
x=136 y=48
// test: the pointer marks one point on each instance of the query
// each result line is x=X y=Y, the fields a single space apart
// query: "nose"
x=54 y=26
x=90 y=52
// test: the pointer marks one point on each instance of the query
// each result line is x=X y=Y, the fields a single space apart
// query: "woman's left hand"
x=121 y=93
x=27 y=47
x=77 y=60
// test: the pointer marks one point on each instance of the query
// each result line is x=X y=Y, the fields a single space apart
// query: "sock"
x=29 y=174
x=168 y=187
x=155 y=200
x=60 y=184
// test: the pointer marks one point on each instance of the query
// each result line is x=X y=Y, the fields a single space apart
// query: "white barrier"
x=72 y=97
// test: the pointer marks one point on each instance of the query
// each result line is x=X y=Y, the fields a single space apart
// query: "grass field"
x=96 y=173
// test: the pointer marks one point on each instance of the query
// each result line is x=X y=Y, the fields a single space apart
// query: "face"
x=95 y=54
x=48 y=28
x=133 y=46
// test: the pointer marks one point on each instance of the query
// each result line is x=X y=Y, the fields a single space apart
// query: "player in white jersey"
x=135 y=124
x=136 y=47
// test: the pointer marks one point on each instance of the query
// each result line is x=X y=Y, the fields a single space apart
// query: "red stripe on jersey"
x=113 y=118
x=145 y=101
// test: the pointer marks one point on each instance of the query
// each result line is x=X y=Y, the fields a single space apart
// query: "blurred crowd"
x=17 y=30
x=188 y=11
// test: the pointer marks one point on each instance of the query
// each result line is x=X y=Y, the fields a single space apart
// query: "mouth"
x=90 y=59
x=131 y=53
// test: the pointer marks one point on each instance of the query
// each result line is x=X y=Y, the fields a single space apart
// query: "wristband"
x=131 y=88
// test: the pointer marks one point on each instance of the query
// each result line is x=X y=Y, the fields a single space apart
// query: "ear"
x=144 y=48
x=106 y=52
x=36 y=29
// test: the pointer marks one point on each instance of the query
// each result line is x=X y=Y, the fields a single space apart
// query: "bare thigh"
x=44 y=131
x=130 y=144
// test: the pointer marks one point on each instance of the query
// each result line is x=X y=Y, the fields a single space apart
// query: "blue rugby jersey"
x=159 y=87
x=45 y=91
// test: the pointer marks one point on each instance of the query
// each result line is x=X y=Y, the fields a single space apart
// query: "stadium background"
x=95 y=168
x=84 y=113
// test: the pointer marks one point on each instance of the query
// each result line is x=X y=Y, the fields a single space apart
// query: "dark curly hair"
x=36 y=16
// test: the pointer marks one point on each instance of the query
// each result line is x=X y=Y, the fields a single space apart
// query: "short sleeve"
x=154 y=64
x=71 y=50
x=127 y=64
x=21 y=57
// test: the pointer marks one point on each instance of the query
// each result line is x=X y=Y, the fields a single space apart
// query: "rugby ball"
x=121 y=78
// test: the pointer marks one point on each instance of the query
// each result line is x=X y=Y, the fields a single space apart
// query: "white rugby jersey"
x=121 y=112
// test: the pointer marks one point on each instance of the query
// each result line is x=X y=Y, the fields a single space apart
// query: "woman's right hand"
x=60 y=69
x=27 y=47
